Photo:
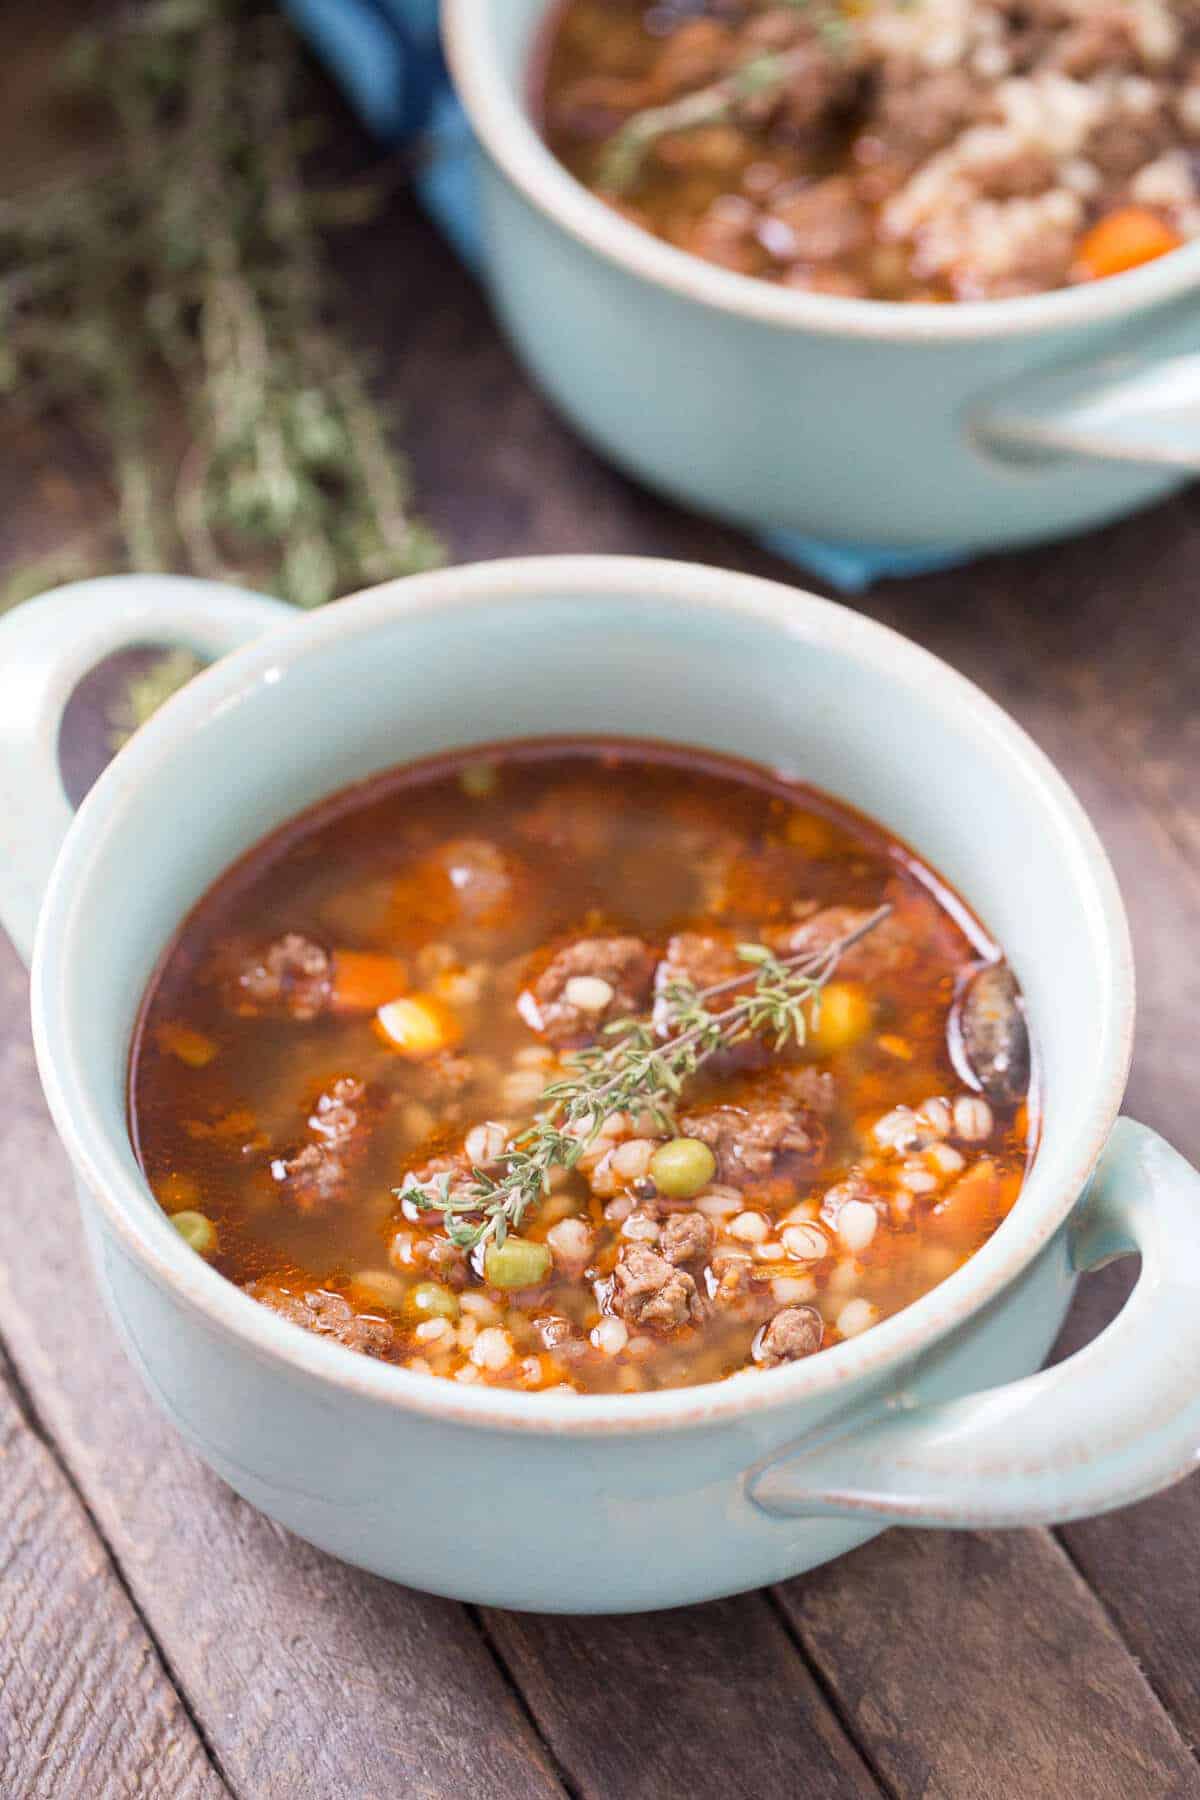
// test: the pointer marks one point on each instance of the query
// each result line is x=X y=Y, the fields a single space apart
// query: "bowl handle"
x=46 y=647
x=1117 y=1421
x=1139 y=402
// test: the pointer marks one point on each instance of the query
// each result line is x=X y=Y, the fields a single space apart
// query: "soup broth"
x=358 y=1021
x=904 y=150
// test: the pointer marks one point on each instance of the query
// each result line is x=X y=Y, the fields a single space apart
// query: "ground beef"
x=1106 y=40
x=795 y=1332
x=579 y=818
x=703 y=959
x=821 y=81
x=445 y=1261
x=726 y=234
x=686 y=1237
x=1027 y=170
x=292 y=977
x=443 y=1080
x=624 y=964
x=1121 y=145
x=430 y=1175
x=326 y=1314
x=483 y=878
x=749 y=1140
x=736 y=1285
x=1038 y=259
x=706 y=960
x=819 y=223
x=317 y=1175
x=920 y=110
x=885 y=949
x=649 y=1292
x=813 y=1089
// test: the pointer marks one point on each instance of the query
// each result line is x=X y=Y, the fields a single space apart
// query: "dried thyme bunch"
x=175 y=306
x=637 y=1071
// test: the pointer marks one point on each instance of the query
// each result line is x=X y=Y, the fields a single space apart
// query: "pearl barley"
x=972 y=1118
x=590 y=993
x=807 y=1243
x=856 y=1223
x=855 y=1316
x=610 y=1336
x=749 y=1228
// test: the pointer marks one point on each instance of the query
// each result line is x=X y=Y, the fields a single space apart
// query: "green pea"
x=516 y=1263
x=682 y=1167
x=197 y=1230
x=429 y=1300
x=478 y=780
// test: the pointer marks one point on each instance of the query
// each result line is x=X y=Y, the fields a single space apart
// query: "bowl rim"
x=104 y=1164
x=504 y=126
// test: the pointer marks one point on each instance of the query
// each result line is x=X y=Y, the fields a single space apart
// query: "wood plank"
x=86 y=1706
x=978 y=1666
x=307 y=1678
x=705 y=1701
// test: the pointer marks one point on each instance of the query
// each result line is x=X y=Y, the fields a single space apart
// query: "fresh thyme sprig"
x=766 y=73
x=640 y=1072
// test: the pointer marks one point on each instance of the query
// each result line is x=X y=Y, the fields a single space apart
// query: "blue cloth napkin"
x=386 y=55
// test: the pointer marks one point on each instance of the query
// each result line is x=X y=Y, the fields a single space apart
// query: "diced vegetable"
x=190 y=1046
x=516 y=1263
x=809 y=832
x=1124 y=240
x=478 y=780
x=177 y=1192
x=418 y=1026
x=681 y=1168
x=196 y=1229
x=363 y=981
x=430 y=1300
x=379 y=1287
x=842 y=1016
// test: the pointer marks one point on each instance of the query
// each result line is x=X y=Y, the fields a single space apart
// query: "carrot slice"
x=363 y=981
x=418 y=1026
x=190 y=1046
x=1124 y=240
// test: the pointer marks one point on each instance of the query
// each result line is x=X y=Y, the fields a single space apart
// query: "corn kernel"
x=843 y=1016
x=810 y=833
x=191 y=1047
x=418 y=1025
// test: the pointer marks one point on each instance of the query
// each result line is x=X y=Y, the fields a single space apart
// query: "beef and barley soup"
x=583 y=1065
x=891 y=149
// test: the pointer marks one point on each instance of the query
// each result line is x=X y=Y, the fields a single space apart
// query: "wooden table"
x=159 y=1638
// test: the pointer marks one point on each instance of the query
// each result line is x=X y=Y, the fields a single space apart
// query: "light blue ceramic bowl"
x=936 y=1416
x=919 y=426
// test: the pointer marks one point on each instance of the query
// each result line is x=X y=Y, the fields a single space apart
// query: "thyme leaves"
x=639 y=1069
